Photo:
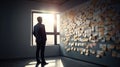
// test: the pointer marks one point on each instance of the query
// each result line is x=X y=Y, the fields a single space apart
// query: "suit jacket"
x=40 y=33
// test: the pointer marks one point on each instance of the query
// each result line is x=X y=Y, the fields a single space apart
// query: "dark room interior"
x=80 y=33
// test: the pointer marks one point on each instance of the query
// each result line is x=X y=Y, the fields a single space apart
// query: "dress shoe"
x=44 y=63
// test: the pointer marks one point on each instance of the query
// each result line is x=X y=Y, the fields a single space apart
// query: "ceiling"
x=56 y=2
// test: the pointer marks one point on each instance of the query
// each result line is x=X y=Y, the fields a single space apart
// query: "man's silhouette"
x=40 y=35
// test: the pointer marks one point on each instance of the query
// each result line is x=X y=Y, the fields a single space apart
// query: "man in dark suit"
x=40 y=35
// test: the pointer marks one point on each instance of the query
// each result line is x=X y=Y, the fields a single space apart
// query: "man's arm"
x=44 y=33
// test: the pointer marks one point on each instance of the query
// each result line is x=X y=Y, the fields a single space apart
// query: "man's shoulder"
x=36 y=25
x=39 y=25
x=42 y=25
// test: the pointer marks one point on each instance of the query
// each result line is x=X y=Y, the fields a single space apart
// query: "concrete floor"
x=53 y=62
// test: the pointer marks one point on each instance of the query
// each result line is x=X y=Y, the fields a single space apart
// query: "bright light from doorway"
x=49 y=20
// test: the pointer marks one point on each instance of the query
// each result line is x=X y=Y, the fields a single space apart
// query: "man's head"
x=39 y=19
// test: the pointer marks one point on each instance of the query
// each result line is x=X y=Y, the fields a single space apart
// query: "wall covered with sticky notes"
x=91 y=31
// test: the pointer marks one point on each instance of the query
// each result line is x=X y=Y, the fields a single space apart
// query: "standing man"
x=40 y=35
